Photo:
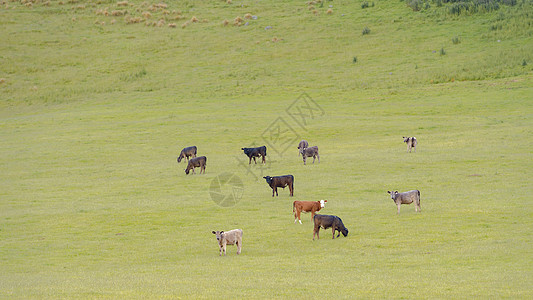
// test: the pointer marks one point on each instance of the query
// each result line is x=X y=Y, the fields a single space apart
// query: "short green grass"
x=92 y=117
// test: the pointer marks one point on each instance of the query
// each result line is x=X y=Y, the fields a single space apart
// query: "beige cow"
x=231 y=237
x=406 y=198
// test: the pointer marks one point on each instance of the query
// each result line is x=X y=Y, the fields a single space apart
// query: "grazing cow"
x=406 y=198
x=187 y=152
x=255 y=152
x=301 y=146
x=411 y=142
x=231 y=237
x=306 y=206
x=326 y=221
x=195 y=163
x=282 y=182
x=311 y=152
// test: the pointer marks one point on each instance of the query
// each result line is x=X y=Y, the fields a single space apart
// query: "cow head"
x=268 y=179
x=187 y=171
x=406 y=139
x=393 y=194
x=219 y=234
x=323 y=203
x=344 y=232
x=179 y=158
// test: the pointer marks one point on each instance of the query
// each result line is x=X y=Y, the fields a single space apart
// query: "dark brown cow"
x=326 y=221
x=187 y=152
x=282 y=182
x=255 y=152
x=306 y=206
x=195 y=163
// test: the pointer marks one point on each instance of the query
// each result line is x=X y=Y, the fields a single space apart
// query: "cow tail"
x=292 y=206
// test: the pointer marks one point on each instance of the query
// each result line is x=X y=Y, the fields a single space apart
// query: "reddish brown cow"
x=306 y=206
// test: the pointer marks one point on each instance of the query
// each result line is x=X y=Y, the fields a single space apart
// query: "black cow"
x=255 y=152
x=187 y=152
x=327 y=221
x=282 y=182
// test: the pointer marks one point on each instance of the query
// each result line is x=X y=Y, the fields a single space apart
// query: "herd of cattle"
x=234 y=237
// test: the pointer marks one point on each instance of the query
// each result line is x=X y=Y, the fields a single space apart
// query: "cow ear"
x=213 y=232
x=222 y=232
x=388 y=192
x=396 y=192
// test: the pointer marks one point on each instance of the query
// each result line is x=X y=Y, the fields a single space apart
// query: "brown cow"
x=187 y=152
x=282 y=182
x=195 y=163
x=326 y=222
x=306 y=206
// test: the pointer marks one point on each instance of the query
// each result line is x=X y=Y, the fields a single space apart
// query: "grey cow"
x=187 y=152
x=311 y=152
x=195 y=163
x=301 y=146
x=231 y=237
x=406 y=198
x=411 y=142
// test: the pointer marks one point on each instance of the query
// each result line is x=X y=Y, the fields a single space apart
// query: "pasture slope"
x=97 y=98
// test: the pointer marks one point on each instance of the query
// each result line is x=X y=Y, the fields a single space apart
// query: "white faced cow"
x=231 y=237
x=406 y=198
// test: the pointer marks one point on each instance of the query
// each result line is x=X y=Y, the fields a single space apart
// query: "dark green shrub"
x=366 y=30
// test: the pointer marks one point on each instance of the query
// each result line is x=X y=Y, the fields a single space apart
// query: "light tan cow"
x=406 y=198
x=231 y=237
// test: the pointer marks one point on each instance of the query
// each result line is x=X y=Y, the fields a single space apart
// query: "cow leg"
x=264 y=161
x=333 y=230
x=314 y=157
x=318 y=157
x=291 y=189
x=304 y=158
x=316 y=232
x=238 y=247
x=224 y=249
x=219 y=250
x=398 y=204
x=193 y=171
x=255 y=161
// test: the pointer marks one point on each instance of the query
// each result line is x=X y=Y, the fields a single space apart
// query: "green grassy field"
x=94 y=110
